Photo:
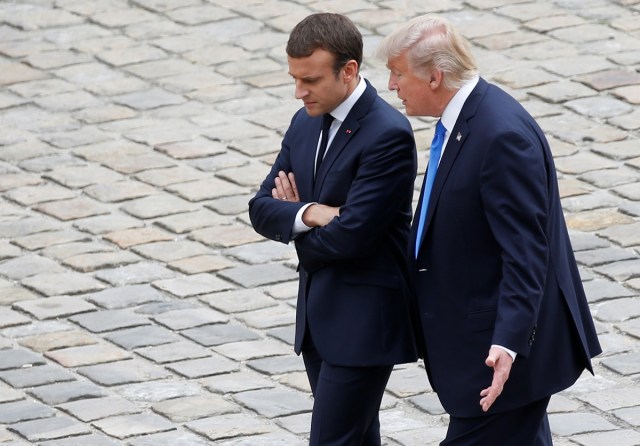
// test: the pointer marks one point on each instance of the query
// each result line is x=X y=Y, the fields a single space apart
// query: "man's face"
x=416 y=93
x=316 y=83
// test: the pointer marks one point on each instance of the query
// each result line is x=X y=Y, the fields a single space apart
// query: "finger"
x=286 y=185
x=274 y=193
x=294 y=187
x=281 y=195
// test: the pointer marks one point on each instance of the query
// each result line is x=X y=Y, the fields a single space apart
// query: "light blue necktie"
x=434 y=159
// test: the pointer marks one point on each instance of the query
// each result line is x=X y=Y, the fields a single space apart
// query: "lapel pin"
x=459 y=137
x=348 y=131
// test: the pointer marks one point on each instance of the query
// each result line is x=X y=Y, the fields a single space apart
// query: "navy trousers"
x=524 y=426
x=346 y=401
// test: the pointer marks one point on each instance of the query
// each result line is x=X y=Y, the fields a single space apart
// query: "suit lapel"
x=347 y=130
x=457 y=138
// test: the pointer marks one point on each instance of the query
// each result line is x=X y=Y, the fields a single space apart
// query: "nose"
x=393 y=83
x=300 y=91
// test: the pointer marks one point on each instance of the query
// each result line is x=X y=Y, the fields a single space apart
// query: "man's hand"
x=319 y=215
x=286 y=188
x=501 y=363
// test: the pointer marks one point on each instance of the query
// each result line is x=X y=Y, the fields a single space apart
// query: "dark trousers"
x=346 y=401
x=524 y=426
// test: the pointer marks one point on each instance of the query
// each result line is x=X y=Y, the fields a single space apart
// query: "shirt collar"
x=341 y=111
x=454 y=107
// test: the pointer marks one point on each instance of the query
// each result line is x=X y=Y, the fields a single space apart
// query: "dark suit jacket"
x=353 y=294
x=496 y=264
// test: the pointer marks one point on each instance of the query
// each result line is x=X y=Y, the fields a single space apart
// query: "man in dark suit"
x=503 y=314
x=350 y=222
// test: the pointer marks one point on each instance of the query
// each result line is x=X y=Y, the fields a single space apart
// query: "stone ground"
x=137 y=305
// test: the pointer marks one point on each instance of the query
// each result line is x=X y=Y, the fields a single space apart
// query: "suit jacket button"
x=278 y=237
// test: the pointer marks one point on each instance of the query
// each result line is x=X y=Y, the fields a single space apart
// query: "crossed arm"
x=315 y=215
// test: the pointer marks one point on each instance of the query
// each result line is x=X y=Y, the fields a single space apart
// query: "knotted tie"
x=434 y=159
x=327 y=119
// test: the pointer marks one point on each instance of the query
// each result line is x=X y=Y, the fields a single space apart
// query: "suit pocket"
x=481 y=320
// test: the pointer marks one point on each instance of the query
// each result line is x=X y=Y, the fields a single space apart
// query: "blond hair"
x=432 y=42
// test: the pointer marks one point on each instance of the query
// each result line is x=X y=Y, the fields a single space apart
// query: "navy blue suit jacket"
x=354 y=286
x=496 y=265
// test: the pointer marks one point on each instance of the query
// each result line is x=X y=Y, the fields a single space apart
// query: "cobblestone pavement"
x=137 y=305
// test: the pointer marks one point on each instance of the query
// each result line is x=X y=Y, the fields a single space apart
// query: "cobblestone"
x=137 y=305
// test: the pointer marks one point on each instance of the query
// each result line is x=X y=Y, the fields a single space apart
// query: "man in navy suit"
x=349 y=214
x=503 y=314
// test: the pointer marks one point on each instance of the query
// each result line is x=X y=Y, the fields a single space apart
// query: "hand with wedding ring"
x=285 y=189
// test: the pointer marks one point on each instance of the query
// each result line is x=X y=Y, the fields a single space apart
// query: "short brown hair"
x=334 y=33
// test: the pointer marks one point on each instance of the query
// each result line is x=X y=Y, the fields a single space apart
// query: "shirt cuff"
x=511 y=352
x=298 y=225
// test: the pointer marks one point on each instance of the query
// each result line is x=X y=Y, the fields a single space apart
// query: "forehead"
x=316 y=64
x=398 y=63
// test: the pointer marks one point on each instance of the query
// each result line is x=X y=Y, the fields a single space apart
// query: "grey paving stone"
x=602 y=256
x=94 y=261
x=200 y=368
x=87 y=354
x=145 y=336
x=201 y=264
x=14 y=412
x=273 y=403
x=55 y=284
x=49 y=428
x=206 y=189
x=273 y=439
x=18 y=358
x=269 y=317
x=53 y=394
x=137 y=273
x=25 y=226
x=622 y=437
x=124 y=426
x=36 y=376
x=54 y=307
x=217 y=334
x=72 y=209
x=122 y=372
x=91 y=409
x=9 y=318
x=259 y=275
x=631 y=327
x=51 y=238
x=126 y=238
x=285 y=334
x=66 y=250
x=612 y=399
x=192 y=408
x=429 y=403
x=568 y=424
x=30 y=195
x=607 y=178
x=262 y=252
x=169 y=439
x=602 y=289
x=57 y=339
x=183 y=223
x=170 y=175
x=408 y=381
x=189 y=318
x=238 y=300
x=8 y=395
x=167 y=251
x=630 y=415
x=155 y=391
x=618 y=310
x=157 y=206
x=241 y=381
x=225 y=236
x=172 y=352
x=194 y=285
x=125 y=297
x=108 y=320
x=82 y=440
x=277 y=365
x=621 y=271
x=231 y=425
x=196 y=148
x=624 y=364
x=119 y=191
x=107 y=223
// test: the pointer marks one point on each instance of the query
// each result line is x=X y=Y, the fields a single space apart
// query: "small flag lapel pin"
x=459 y=137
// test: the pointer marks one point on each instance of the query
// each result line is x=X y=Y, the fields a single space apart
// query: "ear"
x=435 y=79
x=350 y=71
